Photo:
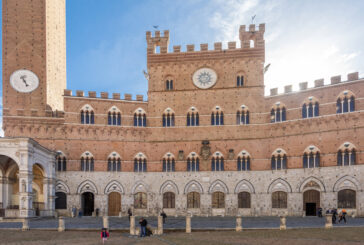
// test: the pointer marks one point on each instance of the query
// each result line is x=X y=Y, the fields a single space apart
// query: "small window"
x=345 y=103
x=87 y=115
x=61 y=163
x=87 y=162
x=279 y=199
x=346 y=199
x=140 y=165
x=242 y=116
x=114 y=117
x=61 y=200
x=278 y=114
x=114 y=164
x=217 y=118
x=279 y=160
x=243 y=163
x=168 y=119
x=169 y=200
x=240 y=81
x=244 y=200
x=218 y=200
x=193 y=200
x=168 y=164
x=192 y=118
x=310 y=110
x=140 y=118
x=217 y=163
x=193 y=163
x=346 y=156
x=169 y=85
x=140 y=200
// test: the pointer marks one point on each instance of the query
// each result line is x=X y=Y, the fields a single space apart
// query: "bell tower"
x=34 y=57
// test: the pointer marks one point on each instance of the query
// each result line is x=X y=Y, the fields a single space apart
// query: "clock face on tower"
x=24 y=81
x=204 y=78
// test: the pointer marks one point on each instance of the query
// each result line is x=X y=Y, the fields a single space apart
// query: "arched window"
x=193 y=200
x=169 y=84
x=310 y=108
x=87 y=115
x=87 y=162
x=217 y=162
x=114 y=116
x=244 y=199
x=346 y=199
x=243 y=161
x=114 y=162
x=192 y=117
x=239 y=80
x=193 y=162
x=168 y=200
x=168 y=163
x=61 y=200
x=279 y=160
x=218 y=200
x=140 y=118
x=217 y=116
x=61 y=162
x=279 y=199
x=346 y=155
x=140 y=163
x=140 y=200
x=168 y=118
x=345 y=102
x=242 y=115
x=311 y=157
x=278 y=113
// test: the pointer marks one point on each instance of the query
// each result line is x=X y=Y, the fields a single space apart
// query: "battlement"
x=317 y=83
x=249 y=38
x=103 y=95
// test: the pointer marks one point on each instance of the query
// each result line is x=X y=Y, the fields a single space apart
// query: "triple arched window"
x=243 y=161
x=345 y=103
x=87 y=115
x=140 y=118
x=193 y=162
x=242 y=115
x=217 y=116
x=346 y=155
x=217 y=162
x=87 y=162
x=278 y=113
x=311 y=157
x=168 y=118
x=193 y=118
x=114 y=162
x=310 y=108
x=114 y=116
x=279 y=160
x=168 y=163
x=140 y=163
x=61 y=162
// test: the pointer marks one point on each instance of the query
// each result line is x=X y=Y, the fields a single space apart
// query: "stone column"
x=239 y=226
x=160 y=225
x=188 y=223
x=132 y=225
x=61 y=224
x=328 y=223
x=25 y=224
x=105 y=221
x=283 y=223
x=51 y=196
x=25 y=194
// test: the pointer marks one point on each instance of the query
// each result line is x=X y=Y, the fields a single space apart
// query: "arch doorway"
x=114 y=204
x=311 y=202
x=87 y=203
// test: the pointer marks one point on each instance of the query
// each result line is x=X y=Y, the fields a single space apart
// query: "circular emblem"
x=24 y=81
x=204 y=78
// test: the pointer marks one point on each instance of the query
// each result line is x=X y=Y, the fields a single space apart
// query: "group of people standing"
x=342 y=215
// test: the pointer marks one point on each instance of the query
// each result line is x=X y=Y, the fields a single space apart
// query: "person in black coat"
x=164 y=215
x=143 y=227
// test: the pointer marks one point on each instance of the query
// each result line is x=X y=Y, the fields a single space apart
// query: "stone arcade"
x=207 y=141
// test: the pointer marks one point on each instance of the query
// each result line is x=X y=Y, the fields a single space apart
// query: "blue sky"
x=305 y=39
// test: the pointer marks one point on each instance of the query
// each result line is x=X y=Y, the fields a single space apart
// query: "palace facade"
x=207 y=140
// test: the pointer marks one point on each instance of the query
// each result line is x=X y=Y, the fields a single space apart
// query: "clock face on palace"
x=204 y=78
x=24 y=81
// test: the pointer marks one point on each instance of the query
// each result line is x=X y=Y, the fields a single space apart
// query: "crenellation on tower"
x=335 y=79
x=190 y=47
x=353 y=76
x=252 y=38
x=157 y=41
x=303 y=85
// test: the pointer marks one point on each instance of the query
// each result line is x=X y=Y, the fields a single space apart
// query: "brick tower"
x=34 y=57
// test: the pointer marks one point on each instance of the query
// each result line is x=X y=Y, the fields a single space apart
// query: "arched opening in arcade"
x=87 y=203
x=311 y=202
x=114 y=204
x=38 y=189
x=9 y=187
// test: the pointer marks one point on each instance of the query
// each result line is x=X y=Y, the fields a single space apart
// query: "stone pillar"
x=51 y=199
x=328 y=223
x=283 y=223
x=25 y=194
x=61 y=224
x=239 y=226
x=25 y=225
x=160 y=225
x=188 y=223
x=105 y=221
x=132 y=225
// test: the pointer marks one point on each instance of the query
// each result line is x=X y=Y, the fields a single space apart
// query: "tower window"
x=239 y=81
x=169 y=85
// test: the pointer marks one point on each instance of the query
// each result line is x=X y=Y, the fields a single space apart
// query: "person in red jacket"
x=104 y=235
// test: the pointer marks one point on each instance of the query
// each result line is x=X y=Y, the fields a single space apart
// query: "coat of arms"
x=205 y=150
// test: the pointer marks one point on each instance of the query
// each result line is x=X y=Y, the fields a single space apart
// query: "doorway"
x=311 y=202
x=87 y=203
x=114 y=204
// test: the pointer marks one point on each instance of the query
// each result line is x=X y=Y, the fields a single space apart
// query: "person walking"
x=104 y=235
x=342 y=216
x=143 y=227
x=334 y=213
x=164 y=215
x=129 y=214
x=319 y=212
